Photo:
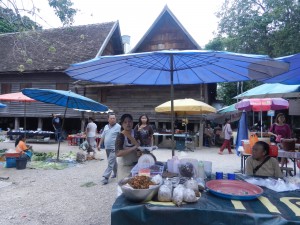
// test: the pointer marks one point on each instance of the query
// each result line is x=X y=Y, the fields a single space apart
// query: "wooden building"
x=38 y=60
x=164 y=34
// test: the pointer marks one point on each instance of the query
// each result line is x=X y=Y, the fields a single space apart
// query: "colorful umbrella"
x=185 y=107
x=68 y=99
x=18 y=97
x=172 y=67
x=262 y=104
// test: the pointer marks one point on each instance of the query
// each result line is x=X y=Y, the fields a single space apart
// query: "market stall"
x=270 y=208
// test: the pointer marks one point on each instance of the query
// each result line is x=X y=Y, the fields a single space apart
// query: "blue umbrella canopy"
x=242 y=133
x=228 y=109
x=290 y=77
x=272 y=91
x=171 y=67
x=67 y=99
x=188 y=67
x=2 y=105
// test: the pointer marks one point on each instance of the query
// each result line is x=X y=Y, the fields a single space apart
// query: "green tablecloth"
x=272 y=208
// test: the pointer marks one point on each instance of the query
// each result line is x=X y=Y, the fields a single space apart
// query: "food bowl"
x=138 y=195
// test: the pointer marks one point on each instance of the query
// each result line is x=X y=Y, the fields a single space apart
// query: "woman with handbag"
x=227 y=136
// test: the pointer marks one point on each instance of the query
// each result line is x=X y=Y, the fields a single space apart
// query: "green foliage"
x=63 y=9
x=268 y=27
x=261 y=27
x=226 y=91
x=12 y=22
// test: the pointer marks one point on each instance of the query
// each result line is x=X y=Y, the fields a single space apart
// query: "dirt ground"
x=39 y=196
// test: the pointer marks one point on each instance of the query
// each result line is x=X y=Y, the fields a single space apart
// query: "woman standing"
x=126 y=147
x=280 y=129
x=144 y=131
x=227 y=136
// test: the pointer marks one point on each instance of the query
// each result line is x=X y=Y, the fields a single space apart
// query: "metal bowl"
x=138 y=195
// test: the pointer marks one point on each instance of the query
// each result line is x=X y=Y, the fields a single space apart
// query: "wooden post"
x=40 y=123
x=17 y=123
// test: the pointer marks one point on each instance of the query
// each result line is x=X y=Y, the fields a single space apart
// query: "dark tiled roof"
x=52 y=49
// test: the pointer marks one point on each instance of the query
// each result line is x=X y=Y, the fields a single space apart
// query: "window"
x=62 y=86
x=5 y=88
x=25 y=85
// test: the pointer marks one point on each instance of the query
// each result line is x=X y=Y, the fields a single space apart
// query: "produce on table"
x=178 y=195
x=164 y=193
x=140 y=182
x=189 y=195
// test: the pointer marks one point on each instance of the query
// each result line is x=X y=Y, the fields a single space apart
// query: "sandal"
x=220 y=153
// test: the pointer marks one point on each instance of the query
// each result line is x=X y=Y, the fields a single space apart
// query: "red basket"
x=273 y=150
x=13 y=155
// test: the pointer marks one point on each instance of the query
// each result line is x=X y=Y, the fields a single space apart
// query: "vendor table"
x=270 y=208
x=32 y=134
x=179 y=136
x=294 y=156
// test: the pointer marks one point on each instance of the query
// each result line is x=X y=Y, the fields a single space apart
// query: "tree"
x=269 y=27
x=11 y=19
x=10 y=22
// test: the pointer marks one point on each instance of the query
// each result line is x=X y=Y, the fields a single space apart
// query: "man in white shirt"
x=109 y=135
x=91 y=131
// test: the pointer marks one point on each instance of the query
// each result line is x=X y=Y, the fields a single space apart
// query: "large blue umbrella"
x=2 y=105
x=242 y=133
x=176 y=67
x=67 y=99
x=290 y=77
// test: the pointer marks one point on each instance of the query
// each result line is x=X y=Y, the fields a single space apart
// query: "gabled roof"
x=165 y=11
x=55 y=49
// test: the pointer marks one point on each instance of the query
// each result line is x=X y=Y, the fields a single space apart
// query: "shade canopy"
x=186 y=106
x=16 y=97
x=228 y=109
x=176 y=67
x=189 y=67
x=272 y=91
x=262 y=104
x=67 y=99
x=293 y=75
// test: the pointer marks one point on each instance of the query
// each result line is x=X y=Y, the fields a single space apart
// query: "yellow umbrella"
x=187 y=106
x=184 y=107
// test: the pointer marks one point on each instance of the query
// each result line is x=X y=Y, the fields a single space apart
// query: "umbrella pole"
x=261 y=128
x=25 y=120
x=172 y=103
x=62 y=126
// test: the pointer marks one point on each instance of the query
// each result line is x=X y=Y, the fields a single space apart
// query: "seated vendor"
x=21 y=146
x=260 y=163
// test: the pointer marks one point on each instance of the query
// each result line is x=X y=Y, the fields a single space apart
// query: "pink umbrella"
x=17 y=97
x=262 y=104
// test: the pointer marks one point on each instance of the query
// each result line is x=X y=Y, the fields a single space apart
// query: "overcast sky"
x=136 y=16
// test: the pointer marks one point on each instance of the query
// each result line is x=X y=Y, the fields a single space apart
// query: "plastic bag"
x=157 y=179
x=189 y=195
x=164 y=193
x=192 y=184
x=178 y=195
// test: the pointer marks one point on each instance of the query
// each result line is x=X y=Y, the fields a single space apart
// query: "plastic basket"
x=273 y=151
x=21 y=163
x=10 y=162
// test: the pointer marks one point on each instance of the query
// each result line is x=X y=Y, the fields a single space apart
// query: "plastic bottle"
x=201 y=172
